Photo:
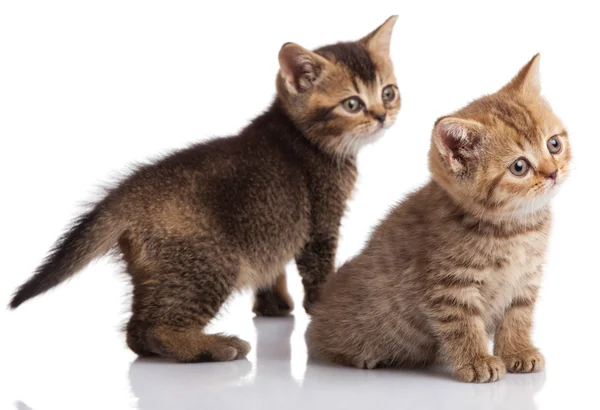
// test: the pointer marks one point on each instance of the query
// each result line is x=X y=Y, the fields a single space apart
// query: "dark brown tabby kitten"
x=232 y=212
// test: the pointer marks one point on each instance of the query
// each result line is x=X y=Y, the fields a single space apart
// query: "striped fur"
x=231 y=213
x=459 y=260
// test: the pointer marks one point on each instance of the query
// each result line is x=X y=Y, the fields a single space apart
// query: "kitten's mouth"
x=378 y=133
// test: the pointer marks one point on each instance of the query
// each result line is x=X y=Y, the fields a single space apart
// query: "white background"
x=87 y=88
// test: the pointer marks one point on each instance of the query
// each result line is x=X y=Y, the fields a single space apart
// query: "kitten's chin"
x=375 y=136
x=528 y=207
x=352 y=144
x=369 y=139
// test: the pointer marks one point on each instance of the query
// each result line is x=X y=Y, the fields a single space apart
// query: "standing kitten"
x=232 y=212
x=461 y=258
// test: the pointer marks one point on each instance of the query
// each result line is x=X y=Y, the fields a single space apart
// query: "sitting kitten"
x=232 y=212
x=461 y=258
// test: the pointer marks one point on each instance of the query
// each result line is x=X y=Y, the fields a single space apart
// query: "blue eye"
x=519 y=167
x=353 y=104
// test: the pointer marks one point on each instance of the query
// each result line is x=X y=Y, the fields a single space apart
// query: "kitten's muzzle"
x=552 y=175
x=380 y=117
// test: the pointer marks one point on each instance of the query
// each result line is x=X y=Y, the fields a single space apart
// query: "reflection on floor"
x=280 y=377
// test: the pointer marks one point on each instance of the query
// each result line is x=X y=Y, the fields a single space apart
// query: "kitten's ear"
x=458 y=141
x=300 y=68
x=378 y=41
x=528 y=79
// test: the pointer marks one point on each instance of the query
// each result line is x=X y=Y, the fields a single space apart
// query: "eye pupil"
x=519 y=167
x=352 y=104
x=554 y=145
x=388 y=94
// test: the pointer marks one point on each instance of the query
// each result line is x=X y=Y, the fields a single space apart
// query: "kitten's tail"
x=90 y=236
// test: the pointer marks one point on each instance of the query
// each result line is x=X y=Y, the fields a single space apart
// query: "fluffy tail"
x=91 y=235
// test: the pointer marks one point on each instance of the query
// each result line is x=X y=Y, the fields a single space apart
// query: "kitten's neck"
x=480 y=213
x=279 y=123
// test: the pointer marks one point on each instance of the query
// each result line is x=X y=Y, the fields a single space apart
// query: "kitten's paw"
x=364 y=364
x=270 y=303
x=488 y=369
x=223 y=349
x=527 y=361
x=311 y=297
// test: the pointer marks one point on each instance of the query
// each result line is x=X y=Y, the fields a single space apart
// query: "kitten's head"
x=344 y=95
x=505 y=154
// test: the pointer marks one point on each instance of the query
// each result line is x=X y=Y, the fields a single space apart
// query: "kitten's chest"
x=515 y=259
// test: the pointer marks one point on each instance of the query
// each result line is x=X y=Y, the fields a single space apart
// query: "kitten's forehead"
x=355 y=71
x=513 y=119
x=354 y=57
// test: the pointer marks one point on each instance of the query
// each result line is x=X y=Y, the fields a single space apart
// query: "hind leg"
x=274 y=301
x=178 y=290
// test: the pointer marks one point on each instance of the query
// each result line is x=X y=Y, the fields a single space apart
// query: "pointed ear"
x=458 y=141
x=300 y=68
x=378 y=41
x=528 y=79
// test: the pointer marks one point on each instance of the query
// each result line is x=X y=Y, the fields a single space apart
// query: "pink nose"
x=552 y=175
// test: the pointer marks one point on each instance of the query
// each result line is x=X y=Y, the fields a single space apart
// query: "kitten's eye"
x=554 y=145
x=519 y=167
x=388 y=94
x=353 y=104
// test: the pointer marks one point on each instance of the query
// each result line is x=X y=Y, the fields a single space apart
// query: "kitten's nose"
x=380 y=117
x=552 y=174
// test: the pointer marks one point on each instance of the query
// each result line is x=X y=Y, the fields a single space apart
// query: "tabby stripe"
x=322 y=114
x=483 y=228
x=530 y=136
x=492 y=205
x=412 y=334
x=517 y=117
x=455 y=334
x=459 y=282
x=355 y=84
x=493 y=186
x=522 y=302
x=444 y=300
x=455 y=262
x=449 y=318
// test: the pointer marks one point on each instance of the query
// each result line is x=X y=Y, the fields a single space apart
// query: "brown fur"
x=274 y=301
x=461 y=258
x=232 y=212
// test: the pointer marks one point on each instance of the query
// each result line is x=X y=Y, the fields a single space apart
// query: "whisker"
x=513 y=212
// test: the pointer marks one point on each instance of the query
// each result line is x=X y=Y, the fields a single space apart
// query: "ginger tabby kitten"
x=460 y=259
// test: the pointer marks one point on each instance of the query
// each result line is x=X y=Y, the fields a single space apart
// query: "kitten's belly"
x=262 y=261
x=257 y=276
x=260 y=272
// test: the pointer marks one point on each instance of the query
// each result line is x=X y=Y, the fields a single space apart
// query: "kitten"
x=232 y=212
x=461 y=258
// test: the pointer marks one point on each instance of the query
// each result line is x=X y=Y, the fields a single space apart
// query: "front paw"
x=526 y=361
x=485 y=370
x=312 y=294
